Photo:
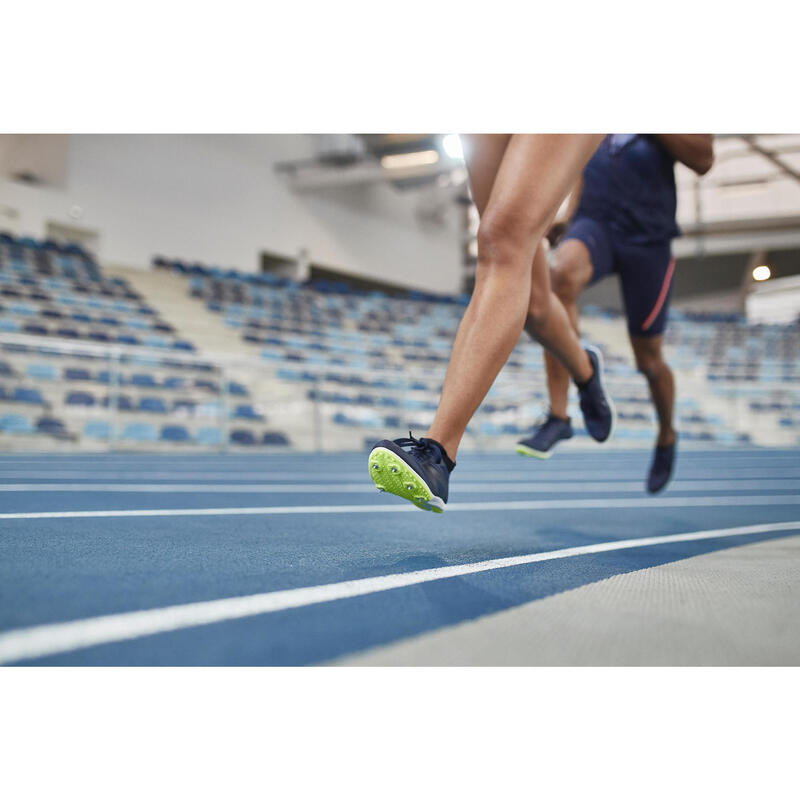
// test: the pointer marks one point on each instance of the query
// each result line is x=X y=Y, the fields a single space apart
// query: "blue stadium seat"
x=125 y=338
x=52 y=427
x=8 y=325
x=23 y=395
x=35 y=329
x=124 y=403
x=243 y=437
x=5 y=369
x=175 y=433
x=173 y=382
x=237 y=389
x=204 y=384
x=152 y=405
x=143 y=379
x=45 y=372
x=77 y=374
x=246 y=411
x=275 y=438
x=97 y=429
x=68 y=333
x=139 y=432
x=209 y=436
x=80 y=399
x=15 y=423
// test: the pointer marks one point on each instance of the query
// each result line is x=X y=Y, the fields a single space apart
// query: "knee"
x=503 y=234
x=564 y=278
x=649 y=364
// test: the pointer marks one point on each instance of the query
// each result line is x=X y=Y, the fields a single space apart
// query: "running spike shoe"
x=599 y=414
x=414 y=469
x=545 y=436
x=661 y=467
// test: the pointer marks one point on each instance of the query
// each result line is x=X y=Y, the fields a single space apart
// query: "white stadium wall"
x=218 y=200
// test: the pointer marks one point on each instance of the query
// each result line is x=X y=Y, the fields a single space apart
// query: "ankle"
x=449 y=446
x=586 y=374
x=666 y=438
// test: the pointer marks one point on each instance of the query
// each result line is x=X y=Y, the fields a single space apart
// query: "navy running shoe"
x=599 y=414
x=540 y=445
x=414 y=469
x=661 y=468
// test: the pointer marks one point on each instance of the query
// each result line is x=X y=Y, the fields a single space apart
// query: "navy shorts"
x=645 y=273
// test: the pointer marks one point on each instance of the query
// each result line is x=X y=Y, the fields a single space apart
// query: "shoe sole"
x=524 y=450
x=601 y=372
x=391 y=474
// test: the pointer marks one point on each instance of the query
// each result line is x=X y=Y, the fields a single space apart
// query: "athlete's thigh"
x=646 y=277
x=536 y=173
x=483 y=153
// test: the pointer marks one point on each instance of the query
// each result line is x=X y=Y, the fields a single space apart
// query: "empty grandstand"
x=90 y=361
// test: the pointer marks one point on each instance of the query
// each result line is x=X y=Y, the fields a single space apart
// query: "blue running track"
x=73 y=546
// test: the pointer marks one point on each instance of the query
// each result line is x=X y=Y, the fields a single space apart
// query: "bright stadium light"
x=762 y=273
x=452 y=146
x=420 y=158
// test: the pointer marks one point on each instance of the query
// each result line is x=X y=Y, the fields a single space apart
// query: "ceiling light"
x=452 y=146
x=421 y=158
x=762 y=273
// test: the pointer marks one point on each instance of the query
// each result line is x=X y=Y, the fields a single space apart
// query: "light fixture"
x=421 y=158
x=762 y=273
x=452 y=146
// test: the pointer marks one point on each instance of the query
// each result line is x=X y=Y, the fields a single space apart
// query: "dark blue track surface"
x=56 y=570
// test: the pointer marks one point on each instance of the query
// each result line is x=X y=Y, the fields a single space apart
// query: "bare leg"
x=571 y=274
x=533 y=176
x=650 y=362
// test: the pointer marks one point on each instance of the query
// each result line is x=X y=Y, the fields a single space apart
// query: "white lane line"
x=45 y=640
x=527 y=485
x=499 y=505
x=527 y=471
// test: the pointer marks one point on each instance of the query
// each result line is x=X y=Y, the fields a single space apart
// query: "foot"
x=414 y=469
x=544 y=438
x=598 y=410
x=661 y=468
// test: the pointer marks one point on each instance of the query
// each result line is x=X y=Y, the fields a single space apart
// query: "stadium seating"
x=362 y=362
x=139 y=432
x=15 y=423
x=80 y=399
x=97 y=429
x=174 y=433
x=364 y=351
x=51 y=426
x=242 y=437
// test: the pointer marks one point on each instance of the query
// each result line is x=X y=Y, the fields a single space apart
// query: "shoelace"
x=422 y=446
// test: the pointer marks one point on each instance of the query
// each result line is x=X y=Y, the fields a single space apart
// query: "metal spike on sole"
x=399 y=479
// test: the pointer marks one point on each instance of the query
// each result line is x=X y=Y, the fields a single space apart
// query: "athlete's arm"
x=562 y=220
x=696 y=150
